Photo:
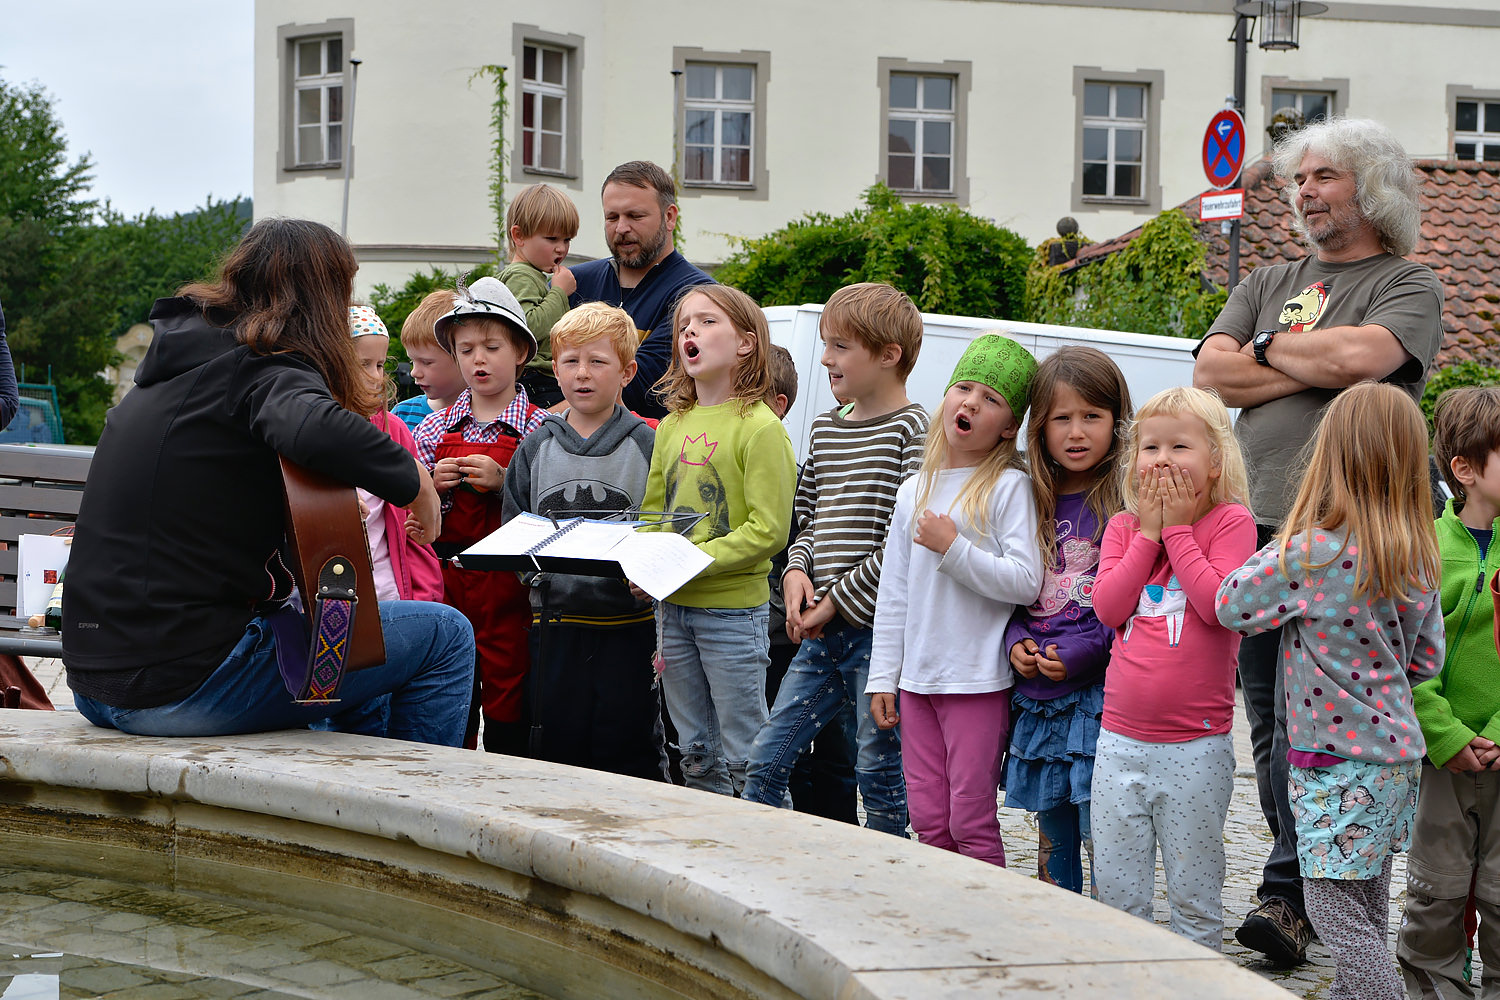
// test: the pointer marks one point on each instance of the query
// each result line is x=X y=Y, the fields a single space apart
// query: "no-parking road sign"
x=1224 y=148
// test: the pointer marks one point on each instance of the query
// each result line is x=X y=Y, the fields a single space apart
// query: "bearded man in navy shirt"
x=644 y=274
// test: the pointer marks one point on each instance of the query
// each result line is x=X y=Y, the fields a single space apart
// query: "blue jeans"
x=424 y=684
x=1065 y=831
x=828 y=673
x=714 y=684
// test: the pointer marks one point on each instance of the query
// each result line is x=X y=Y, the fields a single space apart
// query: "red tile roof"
x=1460 y=240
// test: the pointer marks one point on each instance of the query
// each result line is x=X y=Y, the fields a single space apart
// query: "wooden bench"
x=40 y=488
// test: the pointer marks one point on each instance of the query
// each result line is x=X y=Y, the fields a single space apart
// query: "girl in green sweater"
x=721 y=453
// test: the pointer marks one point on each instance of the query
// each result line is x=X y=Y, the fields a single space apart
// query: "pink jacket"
x=419 y=576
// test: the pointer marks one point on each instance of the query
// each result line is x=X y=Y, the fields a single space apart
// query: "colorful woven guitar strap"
x=334 y=606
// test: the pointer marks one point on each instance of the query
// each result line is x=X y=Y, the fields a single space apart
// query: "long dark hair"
x=1092 y=374
x=287 y=285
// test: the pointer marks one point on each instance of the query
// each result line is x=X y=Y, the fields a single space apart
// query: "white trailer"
x=1150 y=363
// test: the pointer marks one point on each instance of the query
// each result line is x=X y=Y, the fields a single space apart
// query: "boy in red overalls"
x=467 y=447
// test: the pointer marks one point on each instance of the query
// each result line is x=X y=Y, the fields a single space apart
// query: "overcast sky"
x=158 y=92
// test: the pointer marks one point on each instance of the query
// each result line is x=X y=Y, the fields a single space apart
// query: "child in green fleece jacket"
x=1455 y=852
x=540 y=225
x=720 y=452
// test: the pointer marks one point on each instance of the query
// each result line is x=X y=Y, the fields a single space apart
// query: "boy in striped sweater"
x=858 y=458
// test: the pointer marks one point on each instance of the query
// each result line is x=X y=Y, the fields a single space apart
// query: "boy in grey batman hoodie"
x=591 y=690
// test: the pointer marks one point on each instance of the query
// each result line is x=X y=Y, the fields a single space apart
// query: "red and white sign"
x=1224 y=148
x=1222 y=205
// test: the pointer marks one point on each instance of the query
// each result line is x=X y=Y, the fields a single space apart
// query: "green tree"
x=1452 y=377
x=1154 y=285
x=393 y=305
x=946 y=259
x=73 y=275
x=57 y=316
x=151 y=256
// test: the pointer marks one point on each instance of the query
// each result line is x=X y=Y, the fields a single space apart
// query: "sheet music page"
x=513 y=537
x=660 y=562
x=577 y=538
x=587 y=540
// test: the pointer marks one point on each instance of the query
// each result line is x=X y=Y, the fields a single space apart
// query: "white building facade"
x=1019 y=111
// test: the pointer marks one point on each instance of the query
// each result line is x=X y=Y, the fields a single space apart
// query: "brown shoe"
x=1278 y=931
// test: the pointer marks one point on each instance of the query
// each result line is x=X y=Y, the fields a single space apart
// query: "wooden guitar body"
x=327 y=534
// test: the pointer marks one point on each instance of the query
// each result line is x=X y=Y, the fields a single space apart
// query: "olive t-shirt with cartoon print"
x=1404 y=297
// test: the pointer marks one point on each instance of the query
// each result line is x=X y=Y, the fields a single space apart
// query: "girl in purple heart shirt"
x=1080 y=408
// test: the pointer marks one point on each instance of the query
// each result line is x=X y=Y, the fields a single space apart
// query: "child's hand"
x=424 y=516
x=419 y=532
x=1023 y=658
x=935 y=532
x=482 y=473
x=637 y=592
x=1487 y=753
x=1148 y=504
x=796 y=591
x=1479 y=755
x=1179 y=502
x=446 y=474
x=563 y=280
x=1464 y=760
x=883 y=708
x=1051 y=667
x=815 y=617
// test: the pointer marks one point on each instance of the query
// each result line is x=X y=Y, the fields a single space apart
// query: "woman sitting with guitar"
x=174 y=620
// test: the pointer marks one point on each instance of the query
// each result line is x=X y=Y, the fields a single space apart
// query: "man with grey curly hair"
x=1290 y=338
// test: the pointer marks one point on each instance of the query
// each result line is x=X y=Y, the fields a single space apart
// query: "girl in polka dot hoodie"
x=1353 y=577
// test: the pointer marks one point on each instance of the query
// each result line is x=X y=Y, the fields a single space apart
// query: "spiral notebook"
x=659 y=562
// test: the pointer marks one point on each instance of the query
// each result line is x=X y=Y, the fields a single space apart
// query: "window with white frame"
x=921 y=118
x=1114 y=140
x=718 y=123
x=318 y=100
x=544 y=107
x=1476 y=129
x=1315 y=105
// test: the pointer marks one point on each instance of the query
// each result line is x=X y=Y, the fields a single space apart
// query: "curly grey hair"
x=1384 y=177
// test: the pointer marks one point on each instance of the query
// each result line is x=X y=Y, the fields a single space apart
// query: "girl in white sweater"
x=960 y=556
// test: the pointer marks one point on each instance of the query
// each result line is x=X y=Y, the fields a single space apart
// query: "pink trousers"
x=951 y=746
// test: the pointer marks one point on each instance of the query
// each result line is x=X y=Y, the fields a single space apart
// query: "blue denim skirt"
x=1051 y=758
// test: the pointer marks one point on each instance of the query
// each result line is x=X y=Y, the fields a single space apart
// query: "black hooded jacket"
x=182 y=520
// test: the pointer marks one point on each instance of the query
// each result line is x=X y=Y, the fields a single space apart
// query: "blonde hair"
x=1368 y=477
x=1232 y=485
x=973 y=498
x=593 y=320
x=876 y=314
x=388 y=390
x=1092 y=374
x=751 y=383
x=541 y=209
x=417 y=328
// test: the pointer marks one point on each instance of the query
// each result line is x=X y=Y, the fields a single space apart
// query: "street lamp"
x=349 y=142
x=1280 y=20
x=1280 y=25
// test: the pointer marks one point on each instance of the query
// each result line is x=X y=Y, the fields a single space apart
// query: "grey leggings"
x=1351 y=917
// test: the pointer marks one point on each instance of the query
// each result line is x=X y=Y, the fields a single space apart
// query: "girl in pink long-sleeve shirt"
x=1165 y=765
x=404 y=569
